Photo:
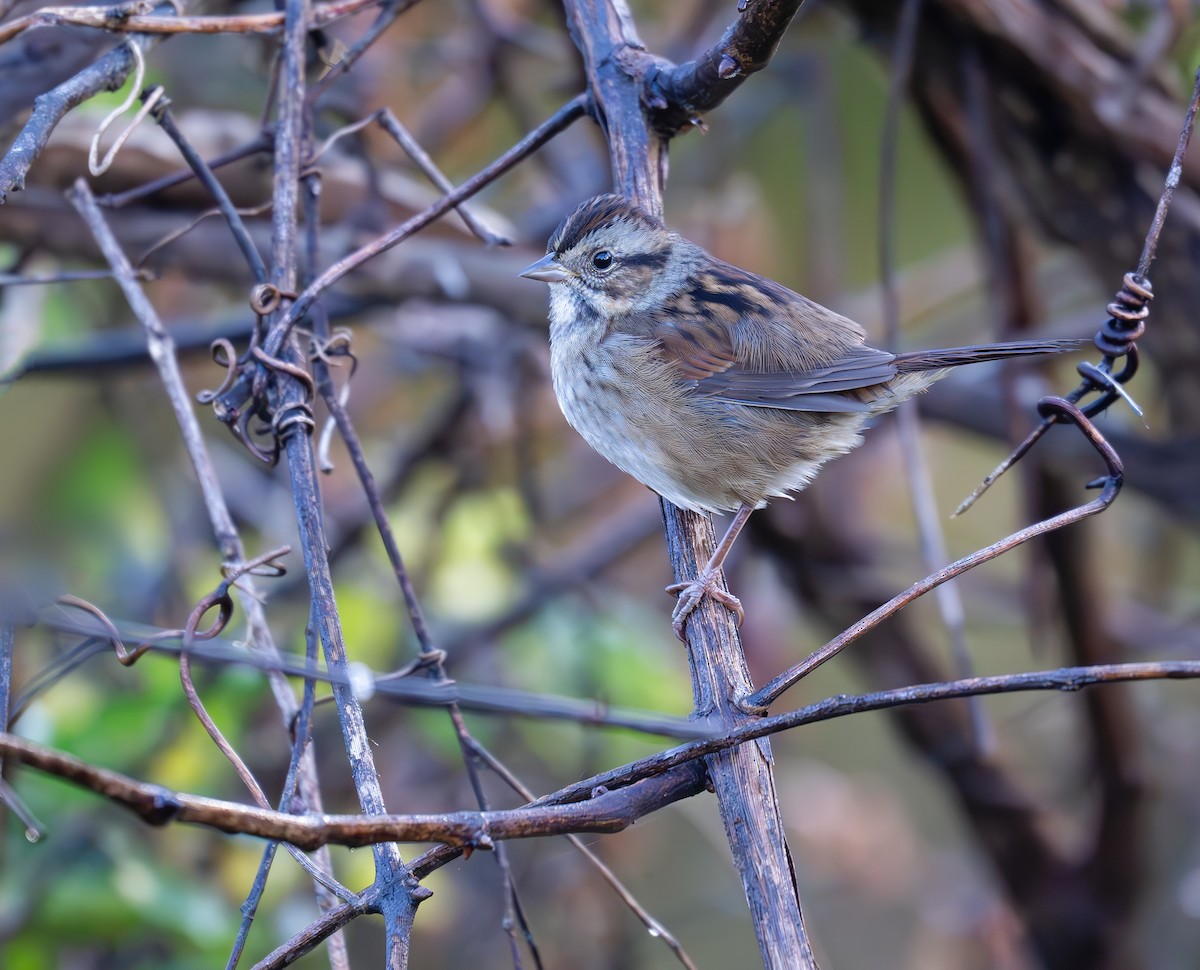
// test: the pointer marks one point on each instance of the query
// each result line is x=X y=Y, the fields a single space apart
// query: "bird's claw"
x=690 y=595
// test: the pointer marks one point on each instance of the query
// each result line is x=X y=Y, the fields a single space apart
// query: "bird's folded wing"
x=815 y=389
x=714 y=371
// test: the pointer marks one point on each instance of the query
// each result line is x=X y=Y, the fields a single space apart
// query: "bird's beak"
x=547 y=270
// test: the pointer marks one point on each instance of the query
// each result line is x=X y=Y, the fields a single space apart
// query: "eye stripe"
x=653 y=261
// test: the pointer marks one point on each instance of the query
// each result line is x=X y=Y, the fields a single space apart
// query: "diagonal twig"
x=1111 y=487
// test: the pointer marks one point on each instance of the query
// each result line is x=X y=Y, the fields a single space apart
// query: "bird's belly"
x=696 y=452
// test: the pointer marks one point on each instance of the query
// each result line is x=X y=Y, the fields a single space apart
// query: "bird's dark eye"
x=602 y=260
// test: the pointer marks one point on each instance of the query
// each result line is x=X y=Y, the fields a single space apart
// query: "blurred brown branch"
x=131 y=18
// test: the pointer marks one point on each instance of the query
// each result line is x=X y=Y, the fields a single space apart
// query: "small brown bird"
x=716 y=387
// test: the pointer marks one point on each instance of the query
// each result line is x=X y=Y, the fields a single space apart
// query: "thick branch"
x=683 y=92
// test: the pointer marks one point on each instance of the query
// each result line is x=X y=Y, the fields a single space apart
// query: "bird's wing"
x=780 y=350
x=811 y=389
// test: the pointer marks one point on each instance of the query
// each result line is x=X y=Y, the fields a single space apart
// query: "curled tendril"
x=223 y=355
x=220 y=600
x=243 y=393
x=266 y=298
x=431 y=658
x=336 y=345
x=241 y=431
x=125 y=656
x=150 y=97
x=290 y=417
x=1116 y=338
x=265 y=565
x=1127 y=316
x=1053 y=407
x=276 y=363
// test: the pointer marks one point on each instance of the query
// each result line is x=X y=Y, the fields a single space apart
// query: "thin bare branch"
x=130 y=18
x=1174 y=174
x=289 y=390
x=653 y=926
x=601 y=810
x=417 y=692
x=1067 y=679
x=263 y=143
x=604 y=812
x=204 y=173
x=315 y=934
x=391 y=124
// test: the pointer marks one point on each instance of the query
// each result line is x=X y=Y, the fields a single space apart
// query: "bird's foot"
x=690 y=594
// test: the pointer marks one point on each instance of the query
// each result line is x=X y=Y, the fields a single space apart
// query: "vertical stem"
x=398 y=893
x=743 y=777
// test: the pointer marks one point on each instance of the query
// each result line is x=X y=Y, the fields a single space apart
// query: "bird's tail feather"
x=925 y=360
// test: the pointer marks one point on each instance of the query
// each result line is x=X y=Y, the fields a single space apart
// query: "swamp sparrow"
x=716 y=387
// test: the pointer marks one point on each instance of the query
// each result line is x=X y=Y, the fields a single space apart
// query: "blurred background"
x=1033 y=830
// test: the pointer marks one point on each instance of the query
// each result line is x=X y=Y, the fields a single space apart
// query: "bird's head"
x=611 y=257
